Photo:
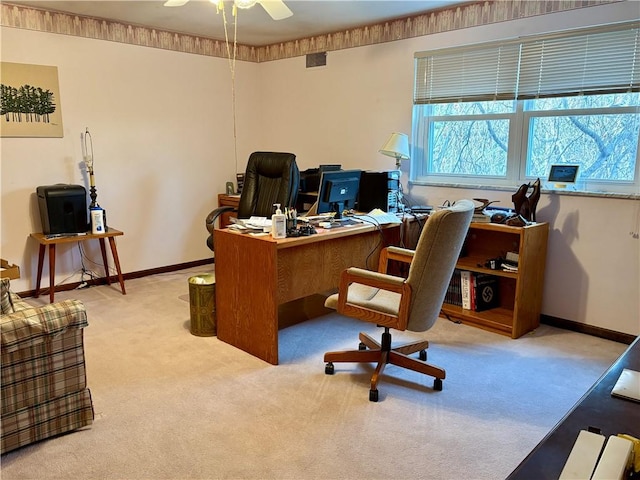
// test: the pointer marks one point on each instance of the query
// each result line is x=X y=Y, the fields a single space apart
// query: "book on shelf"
x=481 y=218
x=453 y=295
x=510 y=263
x=465 y=280
x=508 y=267
x=473 y=291
x=485 y=292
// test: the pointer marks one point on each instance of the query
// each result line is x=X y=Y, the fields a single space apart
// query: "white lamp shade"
x=397 y=146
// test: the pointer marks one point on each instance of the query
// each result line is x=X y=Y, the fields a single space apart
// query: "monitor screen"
x=563 y=173
x=338 y=191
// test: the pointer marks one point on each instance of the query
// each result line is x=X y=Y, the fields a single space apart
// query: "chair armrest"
x=371 y=279
x=376 y=280
x=394 y=253
x=214 y=214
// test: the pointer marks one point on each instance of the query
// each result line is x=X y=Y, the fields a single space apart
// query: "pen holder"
x=292 y=224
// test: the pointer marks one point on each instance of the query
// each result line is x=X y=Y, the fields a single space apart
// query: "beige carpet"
x=170 y=405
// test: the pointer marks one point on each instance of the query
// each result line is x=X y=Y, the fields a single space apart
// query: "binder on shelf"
x=481 y=218
x=473 y=291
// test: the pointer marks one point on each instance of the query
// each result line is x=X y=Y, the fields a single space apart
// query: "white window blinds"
x=585 y=62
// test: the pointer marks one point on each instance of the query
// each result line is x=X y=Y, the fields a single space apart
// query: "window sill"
x=549 y=191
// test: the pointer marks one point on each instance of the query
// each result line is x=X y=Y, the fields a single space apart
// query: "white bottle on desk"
x=97 y=220
x=278 y=223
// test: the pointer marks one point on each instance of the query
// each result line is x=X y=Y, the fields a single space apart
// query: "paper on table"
x=257 y=222
x=628 y=385
x=380 y=217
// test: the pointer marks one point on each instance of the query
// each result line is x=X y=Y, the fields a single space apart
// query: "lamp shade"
x=397 y=146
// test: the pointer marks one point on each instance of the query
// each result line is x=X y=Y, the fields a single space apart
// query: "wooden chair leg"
x=369 y=341
x=416 y=365
x=382 y=354
x=382 y=362
x=412 y=347
x=357 y=356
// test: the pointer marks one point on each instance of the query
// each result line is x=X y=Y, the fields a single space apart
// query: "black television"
x=338 y=191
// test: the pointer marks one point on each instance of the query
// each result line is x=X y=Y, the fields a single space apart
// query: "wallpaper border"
x=438 y=21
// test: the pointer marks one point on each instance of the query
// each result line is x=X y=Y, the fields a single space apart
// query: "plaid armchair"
x=43 y=380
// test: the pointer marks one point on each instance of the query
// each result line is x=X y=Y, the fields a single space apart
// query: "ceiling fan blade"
x=276 y=8
x=175 y=3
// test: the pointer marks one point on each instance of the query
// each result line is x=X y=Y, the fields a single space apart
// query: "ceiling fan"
x=275 y=8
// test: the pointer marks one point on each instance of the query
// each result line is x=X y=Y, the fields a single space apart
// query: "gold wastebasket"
x=202 y=301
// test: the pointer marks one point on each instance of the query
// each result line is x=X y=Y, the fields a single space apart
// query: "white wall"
x=344 y=112
x=163 y=141
x=162 y=131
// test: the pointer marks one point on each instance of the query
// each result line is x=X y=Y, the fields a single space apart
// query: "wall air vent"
x=316 y=59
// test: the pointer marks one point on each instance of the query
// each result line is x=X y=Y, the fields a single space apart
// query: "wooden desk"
x=44 y=242
x=598 y=409
x=256 y=275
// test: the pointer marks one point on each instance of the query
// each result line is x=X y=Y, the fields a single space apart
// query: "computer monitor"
x=338 y=191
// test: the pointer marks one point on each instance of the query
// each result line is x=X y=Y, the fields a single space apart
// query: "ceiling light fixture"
x=245 y=3
x=275 y=8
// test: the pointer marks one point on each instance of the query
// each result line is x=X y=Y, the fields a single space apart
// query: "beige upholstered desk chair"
x=412 y=304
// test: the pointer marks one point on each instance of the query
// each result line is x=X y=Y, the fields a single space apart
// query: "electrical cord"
x=92 y=275
x=370 y=219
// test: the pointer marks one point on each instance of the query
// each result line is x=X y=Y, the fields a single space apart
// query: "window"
x=502 y=114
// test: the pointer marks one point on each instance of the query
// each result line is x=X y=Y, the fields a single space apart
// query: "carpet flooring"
x=171 y=405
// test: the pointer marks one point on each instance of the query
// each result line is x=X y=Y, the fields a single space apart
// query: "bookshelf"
x=520 y=292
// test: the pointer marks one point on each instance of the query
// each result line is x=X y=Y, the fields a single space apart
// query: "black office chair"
x=271 y=177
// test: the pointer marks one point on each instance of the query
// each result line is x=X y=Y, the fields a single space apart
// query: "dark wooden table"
x=597 y=409
x=50 y=244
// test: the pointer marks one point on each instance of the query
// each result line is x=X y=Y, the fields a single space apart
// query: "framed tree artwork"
x=29 y=101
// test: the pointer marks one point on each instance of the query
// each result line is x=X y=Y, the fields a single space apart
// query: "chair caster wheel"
x=362 y=346
x=422 y=355
x=373 y=395
x=437 y=384
x=328 y=368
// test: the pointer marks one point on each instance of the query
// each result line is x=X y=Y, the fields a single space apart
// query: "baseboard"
x=126 y=276
x=600 y=332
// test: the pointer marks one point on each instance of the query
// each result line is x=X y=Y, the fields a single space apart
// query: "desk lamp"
x=397 y=146
x=87 y=154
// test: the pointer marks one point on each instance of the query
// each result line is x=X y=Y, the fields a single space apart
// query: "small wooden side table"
x=51 y=242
